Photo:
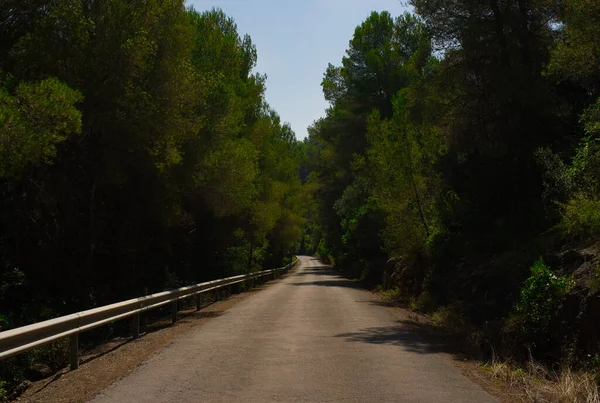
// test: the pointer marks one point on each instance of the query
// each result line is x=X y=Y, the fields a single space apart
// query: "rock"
x=571 y=260
x=37 y=372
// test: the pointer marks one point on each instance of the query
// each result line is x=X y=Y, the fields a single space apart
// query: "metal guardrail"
x=21 y=339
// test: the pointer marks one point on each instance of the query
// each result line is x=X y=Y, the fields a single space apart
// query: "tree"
x=33 y=121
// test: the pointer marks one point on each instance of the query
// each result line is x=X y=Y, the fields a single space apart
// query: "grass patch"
x=535 y=383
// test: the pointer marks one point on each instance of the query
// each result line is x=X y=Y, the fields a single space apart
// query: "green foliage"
x=594 y=281
x=580 y=217
x=581 y=213
x=182 y=172
x=33 y=121
x=322 y=249
x=457 y=139
x=577 y=55
x=424 y=303
x=541 y=295
x=359 y=177
x=394 y=295
x=3 y=391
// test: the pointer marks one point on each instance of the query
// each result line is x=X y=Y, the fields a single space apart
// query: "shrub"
x=3 y=392
x=581 y=216
x=594 y=282
x=424 y=303
x=395 y=295
x=450 y=318
x=541 y=295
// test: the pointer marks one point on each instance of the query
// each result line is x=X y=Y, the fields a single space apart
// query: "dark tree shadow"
x=317 y=271
x=329 y=283
x=193 y=316
x=334 y=280
x=409 y=335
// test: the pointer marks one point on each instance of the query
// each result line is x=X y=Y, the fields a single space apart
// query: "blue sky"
x=295 y=41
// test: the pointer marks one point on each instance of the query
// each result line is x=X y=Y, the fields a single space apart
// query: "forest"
x=457 y=167
x=137 y=154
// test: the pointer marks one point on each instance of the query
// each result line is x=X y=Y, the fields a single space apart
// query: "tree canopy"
x=460 y=143
x=137 y=153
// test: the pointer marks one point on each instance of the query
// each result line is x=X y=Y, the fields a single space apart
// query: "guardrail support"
x=228 y=291
x=198 y=301
x=74 y=351
x=174 y=311
x=217 y=295
x=135 y=326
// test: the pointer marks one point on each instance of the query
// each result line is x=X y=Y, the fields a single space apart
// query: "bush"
x=322 y=249
x=3 y=392
x=540 y=298
x=450 y=318
x=594 y=282
x=424 y=303
x=395 y=295
x=581 y=216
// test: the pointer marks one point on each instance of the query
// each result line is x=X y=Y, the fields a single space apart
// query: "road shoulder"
x=112 y=361
x=472 y=369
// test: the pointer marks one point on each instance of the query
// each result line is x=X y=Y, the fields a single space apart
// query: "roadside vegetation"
x=137 y=154
x=457 y=167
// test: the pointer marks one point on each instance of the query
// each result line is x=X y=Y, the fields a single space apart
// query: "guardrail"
x=21 y=339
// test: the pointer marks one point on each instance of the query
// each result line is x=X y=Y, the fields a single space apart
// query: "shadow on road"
x=329 y=283
x=410 y=335
x=317 y=271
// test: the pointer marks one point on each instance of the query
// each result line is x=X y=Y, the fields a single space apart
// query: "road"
x=310 y=337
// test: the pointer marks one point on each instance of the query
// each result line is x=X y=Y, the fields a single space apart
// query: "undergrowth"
x=535 y=383
x=540 y=297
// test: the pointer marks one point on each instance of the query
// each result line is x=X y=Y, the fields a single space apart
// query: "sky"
x=295 y=40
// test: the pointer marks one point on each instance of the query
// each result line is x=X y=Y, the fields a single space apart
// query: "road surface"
x=311 y=337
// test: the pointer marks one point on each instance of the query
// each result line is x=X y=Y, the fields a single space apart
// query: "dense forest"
x=457 y=166
x=137 y=154
x=457 y=161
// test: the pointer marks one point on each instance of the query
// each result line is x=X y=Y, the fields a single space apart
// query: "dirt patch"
x=109 y=362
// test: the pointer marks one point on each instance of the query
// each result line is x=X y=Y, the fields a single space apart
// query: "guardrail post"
x=74 y=351
x=174 y=311
x=198 y=301
x=217 y=295
x=135 y=326
x=229 y=291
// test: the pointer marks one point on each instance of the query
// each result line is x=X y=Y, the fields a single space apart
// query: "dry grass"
x=536 y=384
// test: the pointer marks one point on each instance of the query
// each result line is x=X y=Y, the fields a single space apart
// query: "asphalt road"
x=311 y=337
